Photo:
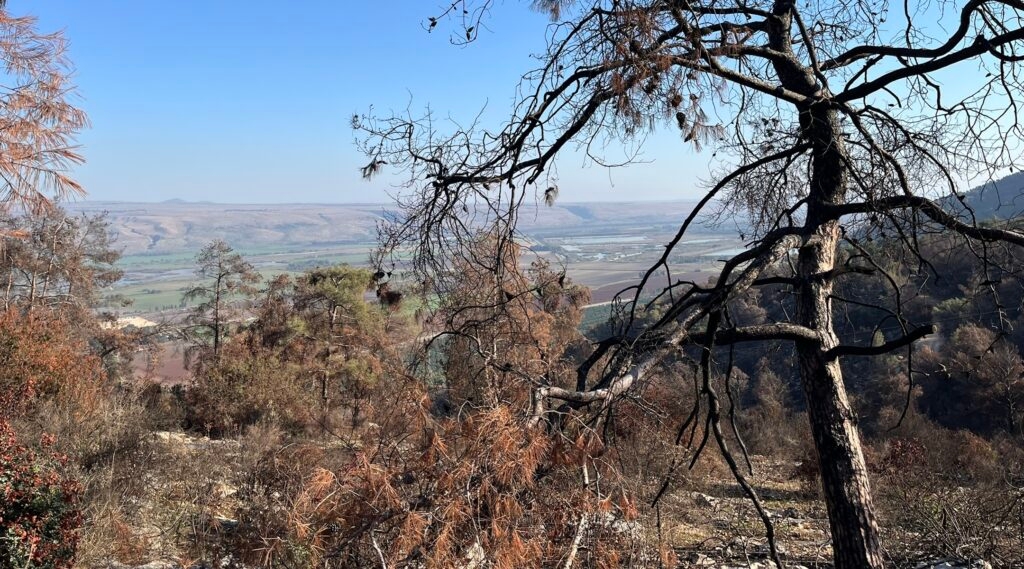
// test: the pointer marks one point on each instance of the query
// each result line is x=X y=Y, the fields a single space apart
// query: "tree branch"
x=913 y=336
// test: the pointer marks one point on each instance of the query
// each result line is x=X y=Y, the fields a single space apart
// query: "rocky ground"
x=708 y=521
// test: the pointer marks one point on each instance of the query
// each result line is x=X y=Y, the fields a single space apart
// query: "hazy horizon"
x=182 y=201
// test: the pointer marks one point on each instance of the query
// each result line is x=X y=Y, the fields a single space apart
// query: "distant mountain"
x=178 y=226
x=996 y=200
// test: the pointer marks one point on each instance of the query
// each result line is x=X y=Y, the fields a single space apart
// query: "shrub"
x=945 y=493
x=42 y=359
x=246 y=388
x=51 y=382
x=39 y=509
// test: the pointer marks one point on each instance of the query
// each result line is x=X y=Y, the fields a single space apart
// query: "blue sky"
x=251 y=101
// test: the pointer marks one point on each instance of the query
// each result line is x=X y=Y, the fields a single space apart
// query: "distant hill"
x=176 y=226
x=996 y=200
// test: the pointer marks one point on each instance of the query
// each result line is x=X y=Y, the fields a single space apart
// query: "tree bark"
x=844 y=477
x=847 y=490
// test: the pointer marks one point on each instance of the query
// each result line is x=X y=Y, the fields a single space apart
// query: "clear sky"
x=250 y=101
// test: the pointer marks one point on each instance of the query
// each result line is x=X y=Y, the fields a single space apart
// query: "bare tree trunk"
x=325 y=403
x=10 y=287
x=32 y=292
x=324 y=392
x=1011 y=413
x=844 y=477
x=50 y=264
x=216 y=313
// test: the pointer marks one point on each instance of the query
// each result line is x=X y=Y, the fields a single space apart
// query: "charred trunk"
x=844 y=476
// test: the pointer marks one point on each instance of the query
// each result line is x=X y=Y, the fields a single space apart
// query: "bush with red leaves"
x=39 y=506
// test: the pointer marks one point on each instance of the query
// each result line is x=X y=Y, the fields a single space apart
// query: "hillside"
x=176 y=226
x=184 y=227
x=995 y=200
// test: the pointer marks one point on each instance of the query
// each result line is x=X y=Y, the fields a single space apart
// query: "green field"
x=157 y=282
x=606 y=257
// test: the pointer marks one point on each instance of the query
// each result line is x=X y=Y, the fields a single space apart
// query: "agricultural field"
x=155 y=283
x=604 y=246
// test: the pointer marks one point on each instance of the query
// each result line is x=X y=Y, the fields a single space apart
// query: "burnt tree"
x=833 y=125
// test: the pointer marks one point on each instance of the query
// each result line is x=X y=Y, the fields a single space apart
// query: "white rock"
x=475 y=557
x=955 y=564
x=150 y=565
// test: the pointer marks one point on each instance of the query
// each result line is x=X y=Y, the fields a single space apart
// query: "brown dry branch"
x=38 y=117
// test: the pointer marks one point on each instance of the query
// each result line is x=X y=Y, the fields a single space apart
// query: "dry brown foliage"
x=38 y=120
x=505 y=327
x=948 y=493
x=484 y=487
